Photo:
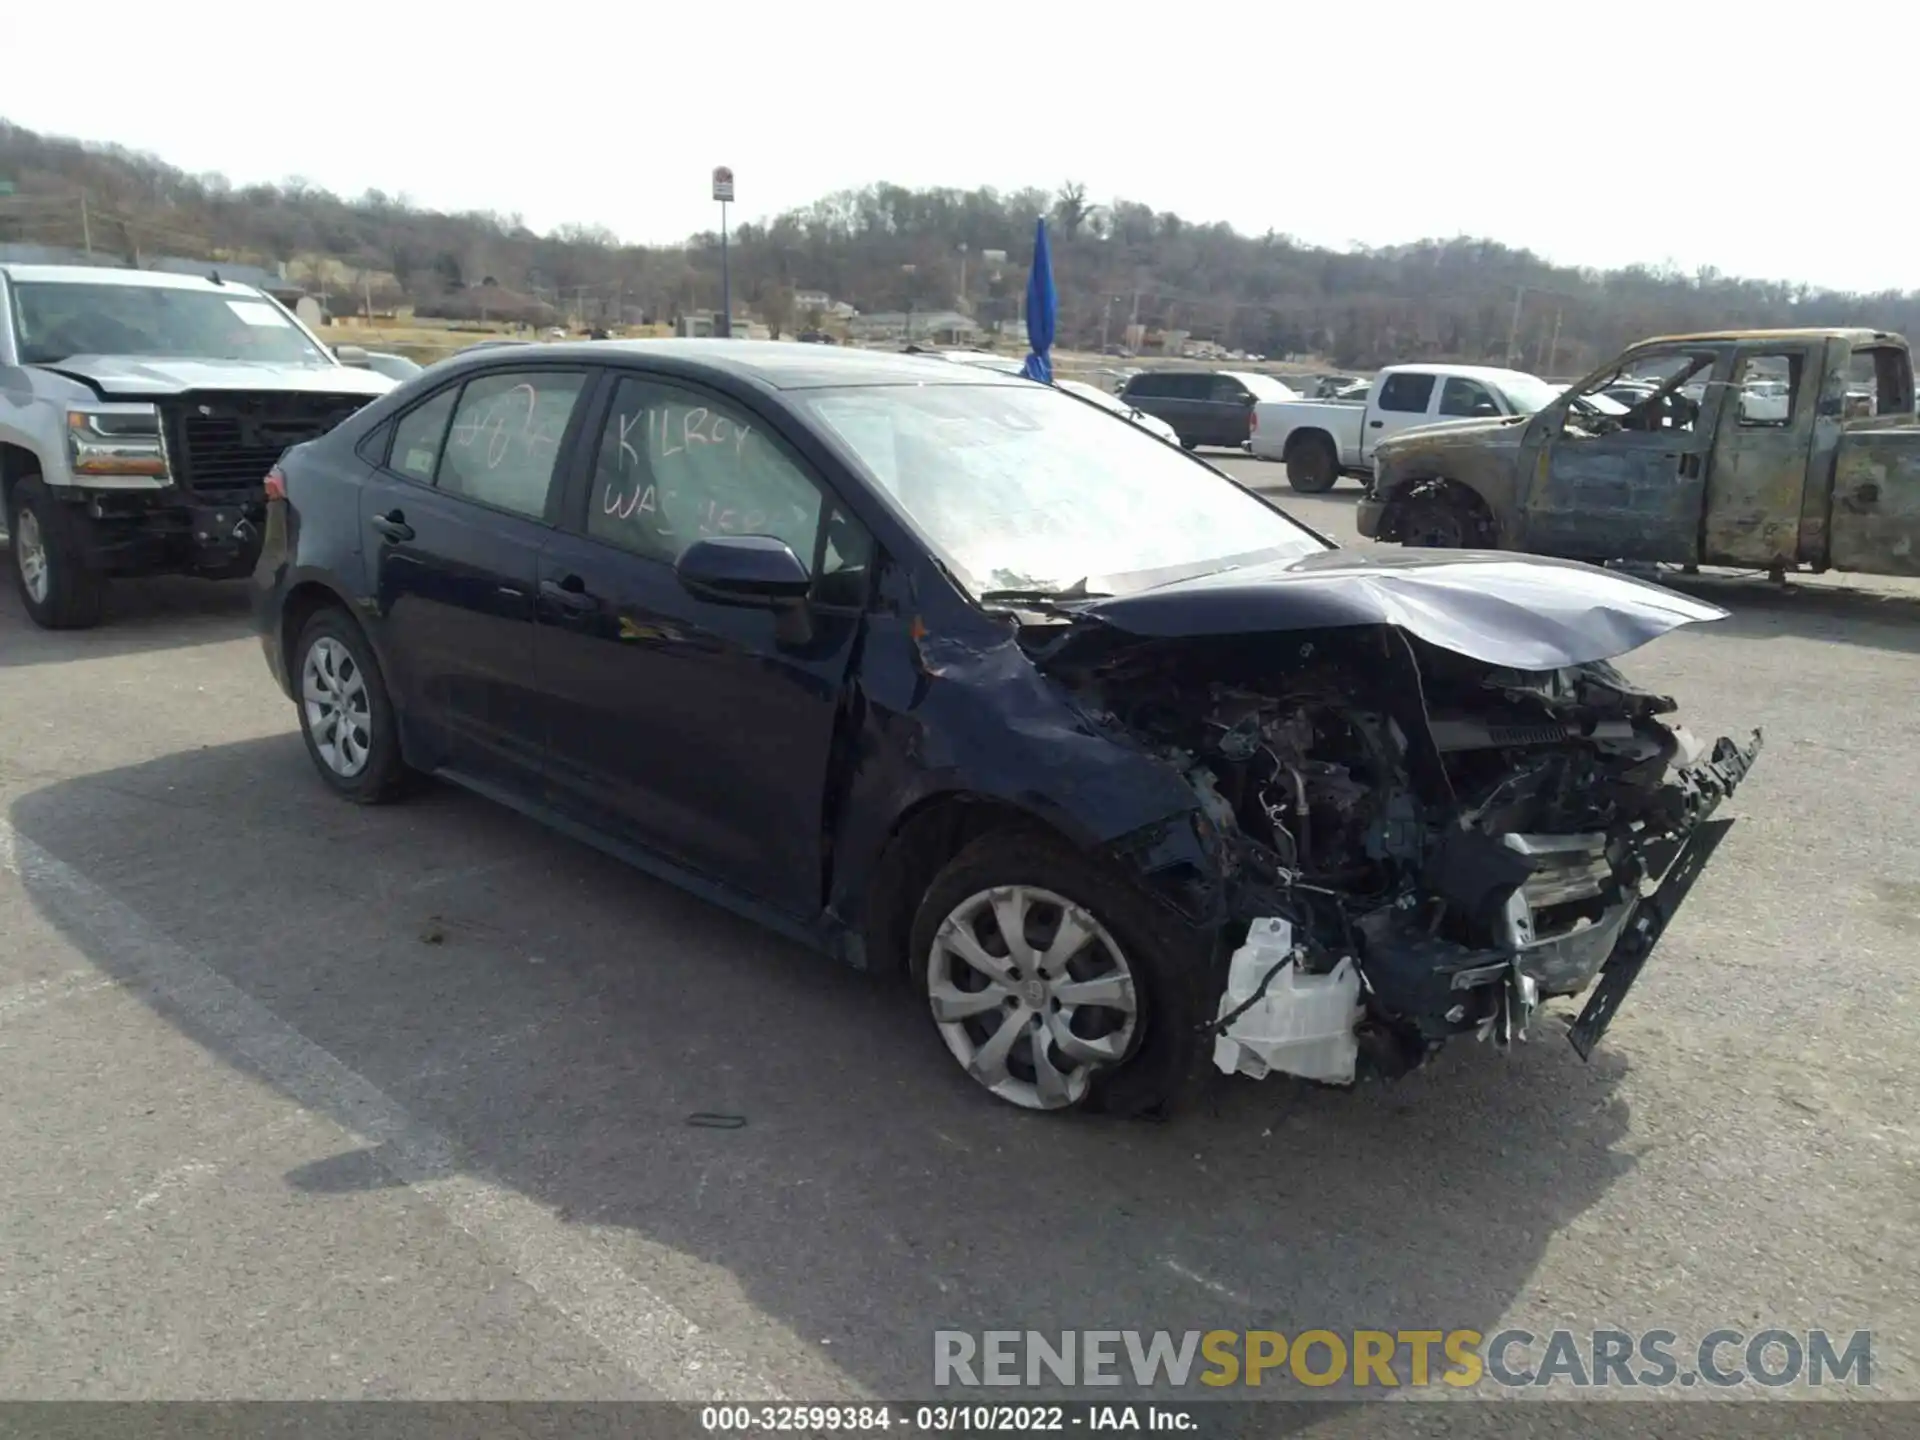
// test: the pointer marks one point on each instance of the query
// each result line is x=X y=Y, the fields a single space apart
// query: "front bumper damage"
x=1406 y=981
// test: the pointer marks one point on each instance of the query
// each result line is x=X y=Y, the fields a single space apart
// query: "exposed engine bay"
x=1442 y=842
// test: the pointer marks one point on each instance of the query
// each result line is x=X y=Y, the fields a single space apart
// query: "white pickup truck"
x=1321 y=440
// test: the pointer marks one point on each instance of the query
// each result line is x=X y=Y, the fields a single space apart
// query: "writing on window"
x=504 y=442
x=674 y=467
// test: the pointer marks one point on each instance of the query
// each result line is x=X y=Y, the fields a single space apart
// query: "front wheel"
x=59 y=589
x=1445 y=520
x=346 y=717
x=1055 y=984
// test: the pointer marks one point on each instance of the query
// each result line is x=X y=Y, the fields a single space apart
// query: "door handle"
x=570 y=595
x=393 y=525
x=1376 y=424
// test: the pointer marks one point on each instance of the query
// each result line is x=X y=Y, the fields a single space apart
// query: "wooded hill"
x=888 y=248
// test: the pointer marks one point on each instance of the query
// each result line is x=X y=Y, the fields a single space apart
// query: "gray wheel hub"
x=337 y=706
x=1031 y=994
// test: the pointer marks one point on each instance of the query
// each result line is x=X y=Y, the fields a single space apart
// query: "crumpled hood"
x=1520 y=612
x=137 y=377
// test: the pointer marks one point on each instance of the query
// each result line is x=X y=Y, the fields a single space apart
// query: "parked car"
x=1321 y=440
x=1699 y=470
x=139 y=413
x=940 y=671
x=1205 y=407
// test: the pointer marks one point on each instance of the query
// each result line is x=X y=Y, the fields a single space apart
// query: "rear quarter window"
x=419 y=435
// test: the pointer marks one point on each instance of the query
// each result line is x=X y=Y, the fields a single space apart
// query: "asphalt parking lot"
x=303 y=1100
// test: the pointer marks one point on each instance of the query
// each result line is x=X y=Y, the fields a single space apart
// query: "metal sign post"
x=723 y=192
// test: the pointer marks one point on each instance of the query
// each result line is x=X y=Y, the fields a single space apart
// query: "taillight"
x=1253 y=421
x=276 y=484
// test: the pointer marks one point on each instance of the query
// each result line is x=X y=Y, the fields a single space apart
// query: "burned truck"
x=1765 y=449
x=139 y=414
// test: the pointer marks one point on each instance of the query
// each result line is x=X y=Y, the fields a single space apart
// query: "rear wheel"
x=1312 y=466
x=49 y=569
x=346 y=717
x=1055 y=984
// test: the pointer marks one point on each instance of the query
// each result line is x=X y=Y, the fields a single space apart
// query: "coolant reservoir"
x=1303 y=1024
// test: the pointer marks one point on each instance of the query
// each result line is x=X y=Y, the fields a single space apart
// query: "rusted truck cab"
x=1782 y=449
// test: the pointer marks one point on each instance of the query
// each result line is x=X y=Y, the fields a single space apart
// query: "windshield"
x=1020 y=488
x=56 y=320
x=1264 y=387
x=1528 y=394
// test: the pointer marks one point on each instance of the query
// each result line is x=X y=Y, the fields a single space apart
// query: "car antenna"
x=214 y=276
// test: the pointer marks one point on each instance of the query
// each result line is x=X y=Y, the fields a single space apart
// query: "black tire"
x=383 y=775
x=72 y=595
x=1445 y=520
x=1312 y=466
x=1175 y=985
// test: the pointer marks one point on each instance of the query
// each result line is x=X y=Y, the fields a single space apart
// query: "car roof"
x=1470 y=372
x=1815 y=332
x=107 y=275
x=778 y=364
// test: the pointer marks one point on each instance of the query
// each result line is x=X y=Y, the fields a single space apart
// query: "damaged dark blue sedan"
x=942 y=671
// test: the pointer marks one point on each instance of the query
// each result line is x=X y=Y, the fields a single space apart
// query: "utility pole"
x=1553 y=347
x=723 y=192
x=1513 y=326
x=86 y=225
x=366 y=282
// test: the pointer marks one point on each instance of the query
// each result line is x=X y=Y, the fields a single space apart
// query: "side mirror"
x=354 y=355
x=751 y=570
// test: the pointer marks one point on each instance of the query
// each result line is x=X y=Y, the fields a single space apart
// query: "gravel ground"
x=308 y=1101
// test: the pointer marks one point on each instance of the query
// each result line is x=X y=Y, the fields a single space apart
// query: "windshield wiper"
x=1044 y=599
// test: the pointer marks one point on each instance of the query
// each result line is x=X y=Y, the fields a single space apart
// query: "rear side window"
x=1228 y=389
x=418 y=436
x=504 y=443
x=1148 y=385
x=1406 y=392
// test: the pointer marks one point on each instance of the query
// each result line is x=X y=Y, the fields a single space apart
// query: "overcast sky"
x=1691 y=134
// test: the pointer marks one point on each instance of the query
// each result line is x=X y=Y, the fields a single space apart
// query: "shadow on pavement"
x=142 y=616
x=559 y=1017
x=1881 y=619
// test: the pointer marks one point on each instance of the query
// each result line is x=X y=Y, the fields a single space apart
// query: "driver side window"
x=675 y=466
x=1657 y=393
x=1467 y=397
